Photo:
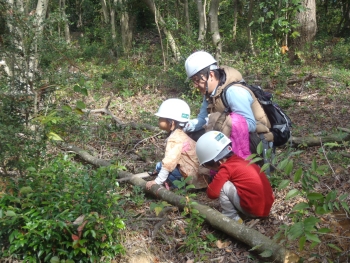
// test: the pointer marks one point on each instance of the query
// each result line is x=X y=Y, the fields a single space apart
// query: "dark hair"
x=210 y=163
x=218 y=73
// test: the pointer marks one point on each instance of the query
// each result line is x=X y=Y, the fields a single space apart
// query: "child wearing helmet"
x=180 y=159
x=240 y=186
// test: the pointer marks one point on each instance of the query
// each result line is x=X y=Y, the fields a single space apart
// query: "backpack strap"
x=223 y=94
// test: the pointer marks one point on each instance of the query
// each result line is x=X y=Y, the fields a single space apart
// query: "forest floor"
x=149 y=238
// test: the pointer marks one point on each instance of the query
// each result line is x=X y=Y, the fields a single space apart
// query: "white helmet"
x=174 y=109
x=213 y=145
x=198 y=61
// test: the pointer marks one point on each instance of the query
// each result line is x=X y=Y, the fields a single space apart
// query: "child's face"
x=164 y=124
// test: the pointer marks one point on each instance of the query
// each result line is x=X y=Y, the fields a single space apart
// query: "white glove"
x=190 y=125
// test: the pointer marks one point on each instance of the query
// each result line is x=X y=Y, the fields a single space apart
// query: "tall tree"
x=126 y=25
x=25 y=36
x=307 y=24
x=249 y=30
x=202 y=20
x=214 y=27
x=159 y=20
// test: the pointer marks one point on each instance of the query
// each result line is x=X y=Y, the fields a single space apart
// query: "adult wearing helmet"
x=180 y=159
x=240 y=186
x=210 y=80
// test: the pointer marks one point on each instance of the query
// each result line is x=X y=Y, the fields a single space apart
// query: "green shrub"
x=63 y=211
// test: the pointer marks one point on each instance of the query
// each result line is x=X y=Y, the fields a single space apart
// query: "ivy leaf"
x=312 y=237
x=310 y=223
x=259 y=148
x=345 y=206
x=66 y=108
x=282 y=164
x=335 y=247
x=55 y=259
x=255 y=247
x=314 y=165
x=324 y=230
x=302 y=241
x=292 y=193
x=314 y=196
x=81 y=105
x=76 y=88
x=296 y=231
x=267 y=253
x=283 y=184
x=297 y=175
x=289 y=167
x=300 y=206
x=264 y=167
x=10 y=213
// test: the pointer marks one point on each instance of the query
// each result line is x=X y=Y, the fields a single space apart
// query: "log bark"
x=316 y=141
x=217 y=220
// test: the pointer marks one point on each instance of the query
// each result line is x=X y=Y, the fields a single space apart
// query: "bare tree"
x=187 y=18
x=214 y=27
x=66 y=25
x=113 y=30
x=235 y=19
x=126 y=24
x=202 y=20
x=249 y=30
x=159 y=20
x=105 y=11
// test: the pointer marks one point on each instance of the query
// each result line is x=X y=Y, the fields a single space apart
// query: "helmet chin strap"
x=206 y=85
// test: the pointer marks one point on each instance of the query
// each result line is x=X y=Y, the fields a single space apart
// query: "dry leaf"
x=221 y=244
x=79 y=220
x=284 y=49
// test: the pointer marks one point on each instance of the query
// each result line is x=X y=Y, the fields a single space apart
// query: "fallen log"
x=316 y=140
x=217 y=220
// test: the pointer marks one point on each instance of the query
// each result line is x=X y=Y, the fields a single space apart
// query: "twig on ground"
x=158 y=225
x=306 y=78
x=106 y=111
x=325 y=155
x=146 y=140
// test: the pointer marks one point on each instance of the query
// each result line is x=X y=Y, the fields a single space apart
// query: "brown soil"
x=312 y=115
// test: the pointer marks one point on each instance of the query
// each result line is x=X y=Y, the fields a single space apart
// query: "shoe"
x=238 y=219
x=155 y=172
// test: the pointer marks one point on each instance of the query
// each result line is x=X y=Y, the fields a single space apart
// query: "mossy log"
x=216 y=219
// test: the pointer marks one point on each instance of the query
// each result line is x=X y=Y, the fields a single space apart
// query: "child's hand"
x=150 y=184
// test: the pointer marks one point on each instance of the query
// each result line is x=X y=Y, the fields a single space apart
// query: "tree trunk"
x=217 y=220
x=308 y=25
x=235 y=19
x=214 y=27
x=249 y=30
x=161 y=22
x=126 y=29
x=202 y=20
x=66 y=25
x=105 y=11
x=113 y=30
x=187 y=18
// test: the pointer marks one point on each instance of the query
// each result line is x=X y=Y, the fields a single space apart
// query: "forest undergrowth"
x=317 y=107
x=109 y=122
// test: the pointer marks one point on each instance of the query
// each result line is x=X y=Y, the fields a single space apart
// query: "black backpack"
x=280 y=122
